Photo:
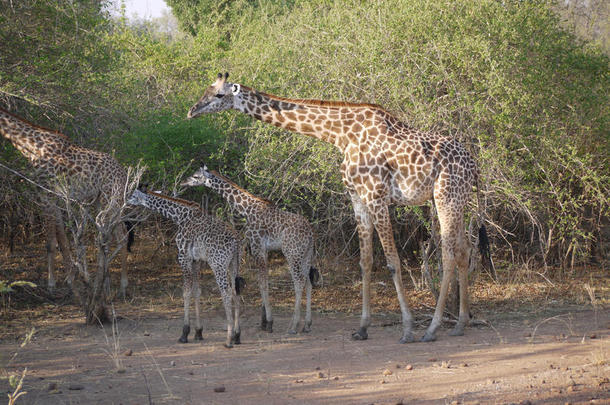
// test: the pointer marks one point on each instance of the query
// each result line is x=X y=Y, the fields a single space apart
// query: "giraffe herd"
x=385 y=163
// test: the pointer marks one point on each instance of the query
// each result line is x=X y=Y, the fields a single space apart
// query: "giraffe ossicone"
x=385 y=162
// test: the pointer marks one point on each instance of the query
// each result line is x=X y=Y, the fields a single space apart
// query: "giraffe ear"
x=226 y=75
x=235 y=89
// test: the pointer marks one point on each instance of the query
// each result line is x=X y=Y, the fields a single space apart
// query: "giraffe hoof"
x=199 y=334
x=360 y=334
x=292 y=332
x=428 y=337
x=183 y=339
x=306 y=329
x=228 y=345
x=269 y=327
x=457 y=331
x=407 y=338
x=237 y=338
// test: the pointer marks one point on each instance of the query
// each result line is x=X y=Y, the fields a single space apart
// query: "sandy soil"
x=542 y=343
x=560 y=358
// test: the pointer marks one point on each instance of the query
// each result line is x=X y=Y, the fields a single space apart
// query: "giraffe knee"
x=391 y=269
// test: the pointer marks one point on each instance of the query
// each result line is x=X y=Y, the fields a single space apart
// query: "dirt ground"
x=548 y=347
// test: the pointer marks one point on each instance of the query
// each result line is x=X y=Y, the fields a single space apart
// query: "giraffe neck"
x=32 y=141
x=241 y=200
x=176 y=210
x=329 y=121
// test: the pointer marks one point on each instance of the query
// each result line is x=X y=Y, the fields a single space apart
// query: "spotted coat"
x=201 y=238
x=269 y=228
x=385 y=162
x=91 y=176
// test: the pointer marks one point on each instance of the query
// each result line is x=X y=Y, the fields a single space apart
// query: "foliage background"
x=509 y=79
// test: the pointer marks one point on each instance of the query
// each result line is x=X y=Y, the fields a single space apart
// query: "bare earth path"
x=556 y=358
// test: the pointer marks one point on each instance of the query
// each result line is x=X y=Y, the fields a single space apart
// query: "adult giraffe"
x=384 y=162
x=92 y=176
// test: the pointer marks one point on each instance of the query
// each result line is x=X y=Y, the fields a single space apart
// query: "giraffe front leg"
x=120 y=235
x=383 y=225
x=263 y=284
x=197 y=303
x=365 y=238
x=50 y=224
x=187 y=279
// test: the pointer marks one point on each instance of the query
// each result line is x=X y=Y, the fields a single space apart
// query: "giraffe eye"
x=219 y=95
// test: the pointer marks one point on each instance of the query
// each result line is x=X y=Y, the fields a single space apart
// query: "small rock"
x=381 y=381
x=551 y=366
x=336 y=378
x=320 y=375
x=432 y=359
x=398 y=366
x=463 y=365
x=120 y=370
x=525 y=402
x=592 y=336
x=220 y=389
x=446 y=364
x=387 y=372
x=317 y=368
x=409 y=367
x=191 y=373
x=146 y=333
x=298 y=381
x=128 y=353
x=52 y=386
x=455 y=402
x=76 y=387
x=172 y=363
x=528 y=334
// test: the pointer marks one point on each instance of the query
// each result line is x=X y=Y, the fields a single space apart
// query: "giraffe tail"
x=131 y=234
x=240 y=284
x=484 y=245
x=314 y=276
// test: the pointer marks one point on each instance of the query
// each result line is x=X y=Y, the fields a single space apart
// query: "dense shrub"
x=527 y=98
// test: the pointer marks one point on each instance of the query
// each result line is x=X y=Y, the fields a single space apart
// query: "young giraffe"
x=269 y=228
x=201 y=237
x=90 y=174
x=385 y=162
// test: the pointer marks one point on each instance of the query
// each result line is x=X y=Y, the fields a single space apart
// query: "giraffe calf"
x=268 y=229
x=201 y=237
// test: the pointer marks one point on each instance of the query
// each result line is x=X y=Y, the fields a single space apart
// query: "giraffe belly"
x=272 y=244
x=407 y=193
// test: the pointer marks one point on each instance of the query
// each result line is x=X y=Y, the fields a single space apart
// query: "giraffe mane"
x=233 y=184
x=52 y=131
x=174 y=199
x=315 y=102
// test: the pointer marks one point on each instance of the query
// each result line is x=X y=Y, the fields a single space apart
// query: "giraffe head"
x=202 y=177
x=138 y=197
x=217 y=97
